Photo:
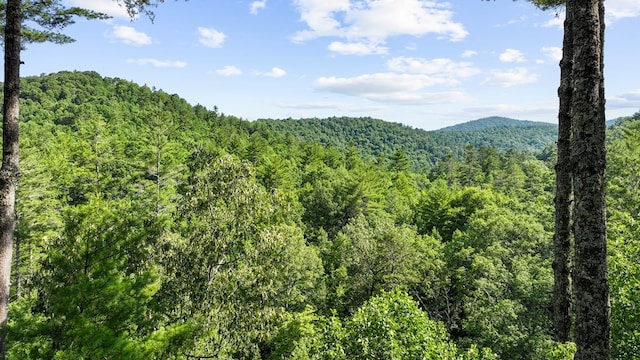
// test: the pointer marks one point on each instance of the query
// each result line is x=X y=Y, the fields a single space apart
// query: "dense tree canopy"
x=151 y=228
x=23 y=22
x=377 y=138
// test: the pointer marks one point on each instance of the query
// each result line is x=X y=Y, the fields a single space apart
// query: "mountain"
x=64 y=98
x=146 y=213
x=375 y=138
x=495 y=121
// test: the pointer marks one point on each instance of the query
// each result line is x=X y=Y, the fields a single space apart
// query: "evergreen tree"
x=590 y=275
x=49 y=16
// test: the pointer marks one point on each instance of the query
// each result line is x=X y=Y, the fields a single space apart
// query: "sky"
x=424 y=63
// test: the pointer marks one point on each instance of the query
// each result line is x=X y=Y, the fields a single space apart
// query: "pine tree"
x=588 y=155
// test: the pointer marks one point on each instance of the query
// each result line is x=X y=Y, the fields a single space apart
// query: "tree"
x=97 y=290
x=399 y=161
x=499 y=268
x=50 y=15
x=161 y=160
x=581 y=164
x=623 y=232
x=9 y=169
x=372 y=253
x=562 y=200
x=391 y=326
x=238 y=261
x=588 y=154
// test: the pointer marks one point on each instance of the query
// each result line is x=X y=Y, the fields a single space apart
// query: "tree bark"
x=9 y=169
x=588 y=154
x=562 y=237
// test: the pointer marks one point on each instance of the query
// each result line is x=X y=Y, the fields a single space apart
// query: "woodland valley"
x=149 y=228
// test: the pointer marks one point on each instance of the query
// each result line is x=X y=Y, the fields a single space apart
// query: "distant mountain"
x=61 y=98
x=67 y=98
x=615 y=121
x=375 y=138
x=495 y=121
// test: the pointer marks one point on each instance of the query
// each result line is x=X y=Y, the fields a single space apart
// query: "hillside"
x=495 y=121
x=149 y=228
x=372 y=138
x=376 y=138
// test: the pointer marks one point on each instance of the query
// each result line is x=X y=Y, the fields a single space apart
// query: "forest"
x=374 y=137
x=149 y=228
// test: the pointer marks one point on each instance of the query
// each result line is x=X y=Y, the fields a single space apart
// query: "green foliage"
x=306 y=335
x=444 y=210
x=624 y=168
x=624 y=268
x=548 y=4
x=624 y=243
x=373 y=254
x=160 y=161
x=388 y=326
x=96 y=290
x=43 y=19
x=424 y=149
x=239 y=262
x=332 y=198
x=150 y=228
x=391 y=326
x=499 y=267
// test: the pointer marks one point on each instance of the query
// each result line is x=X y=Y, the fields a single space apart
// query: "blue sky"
x=426 y=64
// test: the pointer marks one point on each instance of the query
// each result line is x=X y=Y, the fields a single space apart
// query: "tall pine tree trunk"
x=9 y=169
x=588 y=153
x=562 y=237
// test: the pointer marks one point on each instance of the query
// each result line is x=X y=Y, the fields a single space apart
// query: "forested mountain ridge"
x=152 y=229
x=376 y=137
x=494 y=121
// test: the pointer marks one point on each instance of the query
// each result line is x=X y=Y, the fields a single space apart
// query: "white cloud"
x=411 y=46
x=556 y=21
x=619 y=9
x=405 y=82
x=450 y=97
x=229 y=70
x=357 y=48
x=615 y=10
x=391 y=88
x=158 y=63
x=131 y=36
x=257 y=6
x=444 y=68
x=469 y=53
x=108 y=7
x=376 y=20
x=368 y=84
x=512 y=55
x=521 y=19
x=552 y=53
x=340 y=106
x=275 y=72
x=517 y=76
x=211 y=37
x=628 y=100
x=319 y=15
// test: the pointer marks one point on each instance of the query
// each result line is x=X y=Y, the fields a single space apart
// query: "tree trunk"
x=588 y=154
x=562 y=236
x=9 y=169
